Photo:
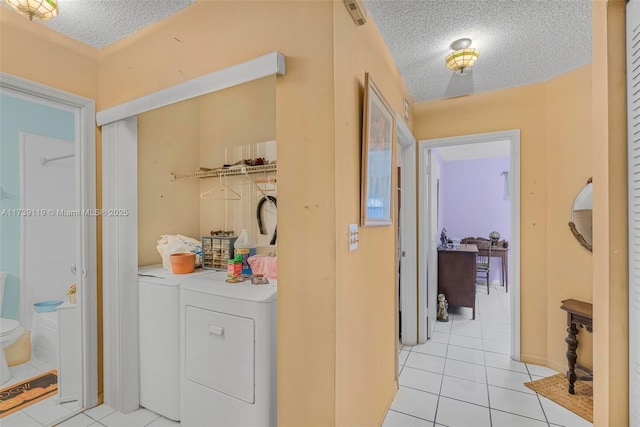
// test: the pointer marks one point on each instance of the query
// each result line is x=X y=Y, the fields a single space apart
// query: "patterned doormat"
x=23 y=394
x=556 y=388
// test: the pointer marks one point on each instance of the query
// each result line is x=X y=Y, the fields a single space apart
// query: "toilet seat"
x=9 y=328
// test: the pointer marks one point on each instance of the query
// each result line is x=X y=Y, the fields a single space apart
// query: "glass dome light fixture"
x=463 y=57
x=38 y=9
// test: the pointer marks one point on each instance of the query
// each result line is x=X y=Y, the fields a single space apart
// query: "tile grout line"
x=486 y=375
x=435 y=415
x=544 y=413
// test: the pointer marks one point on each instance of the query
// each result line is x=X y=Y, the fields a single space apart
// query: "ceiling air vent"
x=357 y=11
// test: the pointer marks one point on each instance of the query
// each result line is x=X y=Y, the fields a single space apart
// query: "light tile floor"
x=463 y=376
x=45 y=412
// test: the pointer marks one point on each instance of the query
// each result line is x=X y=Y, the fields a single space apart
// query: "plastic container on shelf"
x=245 y=247
x=47 y=306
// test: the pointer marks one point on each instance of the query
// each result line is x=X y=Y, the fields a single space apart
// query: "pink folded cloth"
x=265 y=265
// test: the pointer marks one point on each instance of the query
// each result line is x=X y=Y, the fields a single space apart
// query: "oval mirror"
x=581 y=216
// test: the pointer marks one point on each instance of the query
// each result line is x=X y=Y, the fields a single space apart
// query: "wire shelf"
x=239 y=170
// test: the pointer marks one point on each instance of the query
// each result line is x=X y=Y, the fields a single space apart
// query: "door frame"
x=427 y=313
x=86 y=241
x=513 y=136
x=408 y=231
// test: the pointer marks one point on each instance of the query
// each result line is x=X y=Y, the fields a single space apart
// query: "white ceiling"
x=99 y=23
x=520 y=41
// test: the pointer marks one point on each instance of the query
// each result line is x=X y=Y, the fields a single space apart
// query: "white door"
x=408 y=257
x=433 y=178
x=633 y=141
x=49 y=186
x=427 y=243
x=48 y=255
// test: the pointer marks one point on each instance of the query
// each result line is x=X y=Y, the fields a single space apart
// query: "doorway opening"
x=429 y=233
x=49 y=242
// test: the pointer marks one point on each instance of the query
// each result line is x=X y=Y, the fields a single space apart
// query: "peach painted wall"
x=569 y=165
x=208 y=36
x=34 y=52
x=610 y=251
x=168 y=142
x=552 y=118
x=233 y=122
x=323 y=379
x=185 y=136
x=366 y=332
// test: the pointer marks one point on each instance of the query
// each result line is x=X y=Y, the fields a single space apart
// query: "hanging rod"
x=44 y=161
x=209 y=173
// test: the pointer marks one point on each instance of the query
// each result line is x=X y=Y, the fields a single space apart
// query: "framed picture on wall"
x=377 y=143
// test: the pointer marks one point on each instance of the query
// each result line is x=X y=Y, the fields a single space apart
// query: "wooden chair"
x=483 y=261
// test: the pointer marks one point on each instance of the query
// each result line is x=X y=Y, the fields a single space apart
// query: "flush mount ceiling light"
x=463 y=57
x=38 y=9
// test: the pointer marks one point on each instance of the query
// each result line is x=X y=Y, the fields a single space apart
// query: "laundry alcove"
x=120 y=242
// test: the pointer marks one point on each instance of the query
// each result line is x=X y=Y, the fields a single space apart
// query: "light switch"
x=354 y=237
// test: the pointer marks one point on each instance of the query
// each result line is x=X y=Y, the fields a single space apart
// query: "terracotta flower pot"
x=183 y=263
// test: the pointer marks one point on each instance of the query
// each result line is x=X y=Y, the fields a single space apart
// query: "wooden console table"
x=579 y=314
x=457 y=275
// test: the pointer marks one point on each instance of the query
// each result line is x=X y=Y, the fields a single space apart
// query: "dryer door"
x=219 y=352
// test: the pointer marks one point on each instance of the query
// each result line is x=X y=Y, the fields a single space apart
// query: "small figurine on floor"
x=443 y=316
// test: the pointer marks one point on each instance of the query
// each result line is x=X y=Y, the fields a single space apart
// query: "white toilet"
x=10 y=331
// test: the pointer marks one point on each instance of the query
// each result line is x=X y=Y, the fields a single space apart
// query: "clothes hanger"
x=220 y=192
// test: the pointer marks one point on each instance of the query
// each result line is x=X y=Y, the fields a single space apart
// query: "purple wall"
x=472 y=199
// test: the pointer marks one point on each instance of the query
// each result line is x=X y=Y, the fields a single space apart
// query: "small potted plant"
x=71 y=293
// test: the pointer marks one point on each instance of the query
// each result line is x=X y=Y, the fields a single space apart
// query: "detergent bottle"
x=245 y=247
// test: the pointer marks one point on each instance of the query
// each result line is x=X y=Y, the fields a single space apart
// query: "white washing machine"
x=228 y=352
x=159 y=322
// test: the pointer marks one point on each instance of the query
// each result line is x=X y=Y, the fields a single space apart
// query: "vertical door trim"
x=633 y=155
x=409 y=292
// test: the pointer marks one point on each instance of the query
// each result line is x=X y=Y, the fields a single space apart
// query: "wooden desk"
x=579 y=314
x=457 y=276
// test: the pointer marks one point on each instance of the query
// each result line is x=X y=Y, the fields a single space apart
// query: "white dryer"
x=159 y=336
x=228 y=352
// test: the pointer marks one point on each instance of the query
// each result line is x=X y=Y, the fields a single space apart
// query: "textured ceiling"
x=520 y=41
x=99 y=23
